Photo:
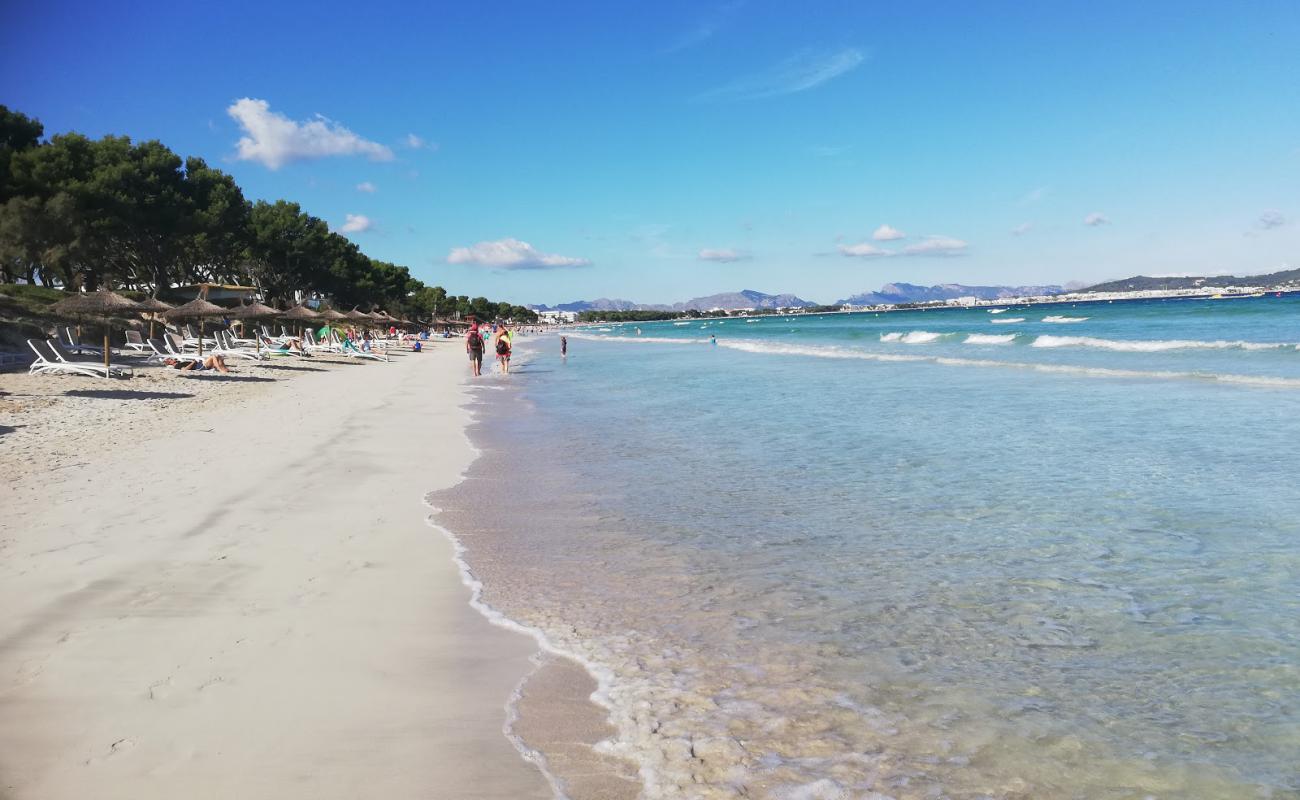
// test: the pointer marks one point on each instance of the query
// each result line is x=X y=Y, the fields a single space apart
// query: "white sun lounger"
x=351 y=351
x=72 y=343
x=51 y=358
x=134 y=343
x=225 y=346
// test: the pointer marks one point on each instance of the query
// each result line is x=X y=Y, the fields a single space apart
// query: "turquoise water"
x=856 y=554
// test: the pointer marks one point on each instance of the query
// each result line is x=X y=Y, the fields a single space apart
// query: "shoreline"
x=559 y=716
x=251 y=613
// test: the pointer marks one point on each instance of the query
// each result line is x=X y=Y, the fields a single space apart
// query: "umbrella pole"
x=201 y=321
x=106 y=323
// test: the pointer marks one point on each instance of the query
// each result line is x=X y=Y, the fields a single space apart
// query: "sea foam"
x=1155 y=345
x=911 y=337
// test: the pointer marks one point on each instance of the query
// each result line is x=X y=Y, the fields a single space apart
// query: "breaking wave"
x=1155 y=345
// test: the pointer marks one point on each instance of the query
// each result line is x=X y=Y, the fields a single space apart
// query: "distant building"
x=557 y=317
x=212 y=292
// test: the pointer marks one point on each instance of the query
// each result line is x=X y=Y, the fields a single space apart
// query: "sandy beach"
x=229 y=589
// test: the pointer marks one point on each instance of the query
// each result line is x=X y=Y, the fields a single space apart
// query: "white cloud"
x=886 y=233
x=725 y=255
x=863 y=250
x=511 y=254
x=1271 y=219
x=1034 y=196
x=936 y=246
x=1022 y=229
x=1096 y=218
x=274 y=140
x=367 y=187
x=929 y=246
x=800 y=72
x=419 y=143
x=356 y=223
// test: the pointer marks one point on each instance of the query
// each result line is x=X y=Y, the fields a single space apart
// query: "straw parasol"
x=152 y=305
x=199 y=309
x=101 y=304
x=299 y=313
x=255 y=310
x=331 y=316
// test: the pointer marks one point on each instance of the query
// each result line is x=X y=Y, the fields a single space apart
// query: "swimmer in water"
x=713 y=339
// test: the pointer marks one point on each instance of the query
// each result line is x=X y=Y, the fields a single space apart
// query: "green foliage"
x=82 y=213
x=633 y=316
x=35 y=297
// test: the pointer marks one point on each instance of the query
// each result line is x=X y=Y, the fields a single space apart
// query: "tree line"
x=81 y=213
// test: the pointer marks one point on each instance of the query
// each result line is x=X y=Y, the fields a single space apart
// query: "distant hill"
x=894 y=293
x=599 y=304
x=1140 y=283
x=747 y=298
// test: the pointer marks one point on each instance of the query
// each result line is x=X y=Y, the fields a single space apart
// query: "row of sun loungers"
x=52 y=358
x=55 y=356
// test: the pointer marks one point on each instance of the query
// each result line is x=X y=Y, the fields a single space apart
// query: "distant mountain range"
x=747 y=298
x=1140 y=283
x=894 y=293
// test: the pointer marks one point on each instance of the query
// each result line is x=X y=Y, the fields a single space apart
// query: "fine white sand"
x=237 y=595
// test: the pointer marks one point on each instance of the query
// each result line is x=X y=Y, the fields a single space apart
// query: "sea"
x=1046 y=551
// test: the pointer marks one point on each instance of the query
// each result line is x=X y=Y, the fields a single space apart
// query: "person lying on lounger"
x=287 y=346
x=189 y=364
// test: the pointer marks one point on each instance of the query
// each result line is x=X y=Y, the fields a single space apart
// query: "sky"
x=547 y=152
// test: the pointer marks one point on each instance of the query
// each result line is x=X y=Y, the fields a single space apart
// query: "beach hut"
x=101 y=304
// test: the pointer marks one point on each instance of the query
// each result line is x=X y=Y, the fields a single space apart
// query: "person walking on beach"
x=474 y=346
x=564 y=347
x=503 y=349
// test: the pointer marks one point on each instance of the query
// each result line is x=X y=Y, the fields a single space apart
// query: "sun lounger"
x=311 y=346
x=177 y=348
x=135 y=343
x=158 y=351
x=350 y=350
x=51 y=357
x=76 y=346
x=225 y=346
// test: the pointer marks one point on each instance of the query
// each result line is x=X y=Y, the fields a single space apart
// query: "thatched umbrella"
x=199 y=309
x=255 y=310
x=101 y=304
x=155 y=306
x=330 y=315
x=299 y=313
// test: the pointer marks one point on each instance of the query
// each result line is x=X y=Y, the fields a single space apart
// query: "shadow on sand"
x=293 y=368
x=9 y=429
x=232 y=378
x=125 y=394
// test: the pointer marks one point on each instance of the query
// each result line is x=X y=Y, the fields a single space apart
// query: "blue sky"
x=544 y=152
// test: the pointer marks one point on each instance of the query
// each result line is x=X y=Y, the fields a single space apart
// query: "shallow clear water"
x=822 y=560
